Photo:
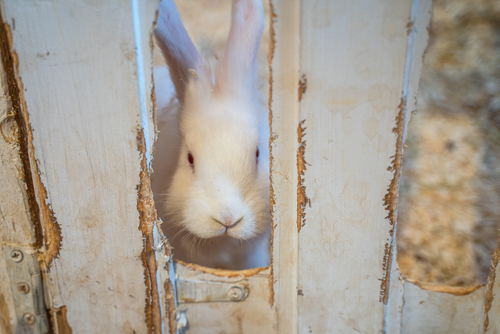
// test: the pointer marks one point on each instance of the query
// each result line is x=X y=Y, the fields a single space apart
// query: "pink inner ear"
x=176 y=46
x=238 y=67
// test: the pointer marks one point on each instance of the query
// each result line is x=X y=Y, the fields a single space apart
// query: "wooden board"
x=352 y=104
x=427 y=311
x=418 y=34
x=342 y=94
x=253 y=315
x=284 y=117
x=86 y=93
x=349 y=84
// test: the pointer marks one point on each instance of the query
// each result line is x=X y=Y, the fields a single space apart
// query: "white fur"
x=217 y=213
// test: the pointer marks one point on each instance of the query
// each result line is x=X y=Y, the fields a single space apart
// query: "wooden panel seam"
x=272 y=199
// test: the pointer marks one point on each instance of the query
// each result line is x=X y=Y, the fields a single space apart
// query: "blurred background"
x=449 y=201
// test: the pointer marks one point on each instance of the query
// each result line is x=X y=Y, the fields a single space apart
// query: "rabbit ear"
x=238 y=67
x=181 y=55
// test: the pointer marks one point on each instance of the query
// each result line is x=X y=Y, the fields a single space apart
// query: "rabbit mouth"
x=234 y=230
x=228 y=225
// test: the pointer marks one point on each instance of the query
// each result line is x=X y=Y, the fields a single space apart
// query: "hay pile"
x=449 y=209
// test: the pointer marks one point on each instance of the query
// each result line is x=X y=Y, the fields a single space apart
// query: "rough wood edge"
x=452 y=290
x=59 y=321
x=302 y=86
x=53 y=235
x=167 y=285
x=170 y=305
x=390 y=199
x=417 y=36
x=148 y=218
x=222 y=272
x=490 y=283
x=16 y=113
x=302 y=199
x=153 y=91
x=272 y=198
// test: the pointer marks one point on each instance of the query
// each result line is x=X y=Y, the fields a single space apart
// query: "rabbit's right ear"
x=181 y=55
x=237 y=70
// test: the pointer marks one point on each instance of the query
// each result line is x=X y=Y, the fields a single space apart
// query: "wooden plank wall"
x=344 y=74
x=84 y=76
x=352 y=103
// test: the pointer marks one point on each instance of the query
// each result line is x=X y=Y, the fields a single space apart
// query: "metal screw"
x=16 y=255
x=29 y=318
x=23 y=287
x=181 y=319
x=235 y=293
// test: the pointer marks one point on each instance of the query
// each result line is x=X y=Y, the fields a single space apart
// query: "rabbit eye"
x=191 y=159
x=257 y=153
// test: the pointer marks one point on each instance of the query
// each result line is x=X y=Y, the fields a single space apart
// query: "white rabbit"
x=217 y=206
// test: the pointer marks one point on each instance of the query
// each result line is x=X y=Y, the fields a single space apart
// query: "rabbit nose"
x=228 y=221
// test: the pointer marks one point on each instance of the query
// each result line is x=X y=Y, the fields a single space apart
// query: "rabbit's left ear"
x=237 y=69
x=181 y=55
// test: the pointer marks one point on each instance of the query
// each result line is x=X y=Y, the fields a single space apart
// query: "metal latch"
x=203 y=291
x=27 y=289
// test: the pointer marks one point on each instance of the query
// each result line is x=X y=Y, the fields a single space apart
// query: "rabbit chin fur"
x=227 y=182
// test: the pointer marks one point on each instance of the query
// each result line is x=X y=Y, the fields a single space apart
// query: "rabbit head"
x=221 y=184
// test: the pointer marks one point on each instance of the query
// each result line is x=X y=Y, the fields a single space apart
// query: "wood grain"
x=77 y=62
x=436 y=312
x=253 y=315
x=284 y=119
x=354 y=70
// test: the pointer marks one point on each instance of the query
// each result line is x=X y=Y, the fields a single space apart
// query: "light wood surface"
x=78 y=69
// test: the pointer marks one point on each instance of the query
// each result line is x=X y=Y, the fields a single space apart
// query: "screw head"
x=16 y=256
x=29 y=318
x=235 y=293
x=23 y=287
